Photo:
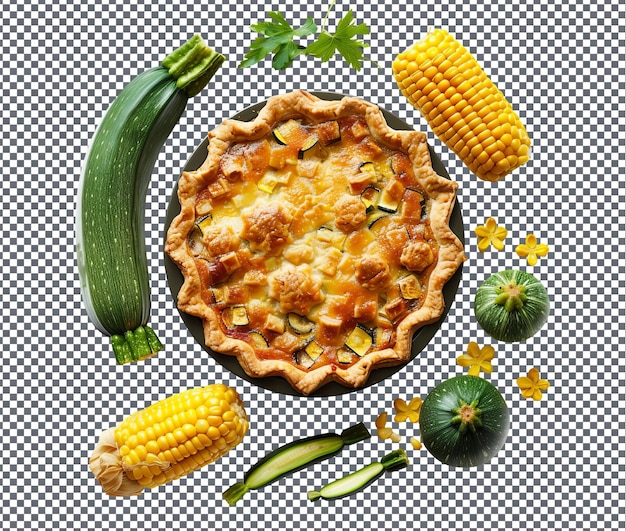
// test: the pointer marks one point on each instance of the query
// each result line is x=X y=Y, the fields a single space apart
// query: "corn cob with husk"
x=169 y=440
x=462 y=105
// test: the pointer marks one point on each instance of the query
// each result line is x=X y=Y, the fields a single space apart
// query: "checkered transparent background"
x=564 y=464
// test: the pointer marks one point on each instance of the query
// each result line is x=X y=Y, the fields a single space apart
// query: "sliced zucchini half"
x=194 y=241
x=329 y=132
x=309 y=144
x=368 y=168
x=279 y=137
x=314 y=350
x=360 y=340
x=375 y=217
x=387 y=202
x=344 y=355
x=299 y=324
x=369 y=197
x=383 y=336
x=286 y=132
x=203 y=222
x=217 y=294
x=410 y=287
x=235 y=316
x=303 y=359
x=258 y=340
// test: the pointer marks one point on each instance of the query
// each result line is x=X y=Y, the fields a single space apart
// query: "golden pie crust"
x=314 y=241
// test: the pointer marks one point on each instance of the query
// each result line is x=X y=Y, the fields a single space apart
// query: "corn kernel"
x=484 y=134
x=144 y=481
x=231 y=437
x=512 y=159
x=189 y=430
x=152 y=447
x=437 y=121
x=487 y=166
x=155 y=471
x=171 y=439
x=191 y=448
x=503 y=165
x=523 y=150
x=170 y=425
x=411 y=68
x=182 y=449
x=141 y=452
x=168 y=456
x=482 y=157
x=213 y=433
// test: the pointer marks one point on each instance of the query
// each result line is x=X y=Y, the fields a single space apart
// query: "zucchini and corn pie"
x=314 y=241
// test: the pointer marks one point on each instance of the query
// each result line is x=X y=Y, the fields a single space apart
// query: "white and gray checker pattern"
x=563 y=66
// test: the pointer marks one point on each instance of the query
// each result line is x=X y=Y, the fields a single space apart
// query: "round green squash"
x=464 y=421
x=511 y=305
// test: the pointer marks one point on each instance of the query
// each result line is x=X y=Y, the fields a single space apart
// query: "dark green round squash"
x=511 y=305
x=464 y=421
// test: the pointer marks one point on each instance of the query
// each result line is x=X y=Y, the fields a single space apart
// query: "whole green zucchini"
x=511 y=305
x=110 y=240
x=464 y=421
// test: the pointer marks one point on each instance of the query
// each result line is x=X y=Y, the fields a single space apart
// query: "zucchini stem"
x=135 y=345
x=355 y=434
x=235 y=492
x=467 y=416
x=512 y=297
x=193 y=65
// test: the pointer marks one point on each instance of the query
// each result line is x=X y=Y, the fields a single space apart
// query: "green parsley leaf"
x=278 y=40
x=343 y=41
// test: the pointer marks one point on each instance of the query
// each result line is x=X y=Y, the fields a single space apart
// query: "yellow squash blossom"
x=416 y=443
x=531 y=250
x=410 y=411
x=490 y=234
x=477 y=359
x=531 y=386
x=383 y=431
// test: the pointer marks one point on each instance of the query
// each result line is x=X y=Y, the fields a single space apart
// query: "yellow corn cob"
x=169 y=439
x=463 y=107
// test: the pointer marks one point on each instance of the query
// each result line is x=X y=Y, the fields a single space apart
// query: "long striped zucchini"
x=110 y=239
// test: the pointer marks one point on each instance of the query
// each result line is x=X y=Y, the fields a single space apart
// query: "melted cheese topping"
x=311 y=243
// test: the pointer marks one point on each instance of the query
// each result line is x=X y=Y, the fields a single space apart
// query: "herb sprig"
x=280 y=39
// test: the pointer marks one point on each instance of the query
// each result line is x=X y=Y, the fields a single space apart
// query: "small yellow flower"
x=409 y=412
x=383 y=431
x=381 y=420
x=477 y=359
x=531 y=250
x=490 y=234
x=531 y=386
